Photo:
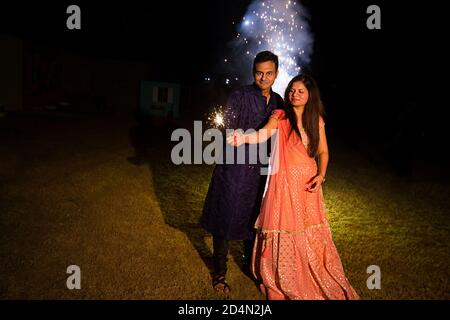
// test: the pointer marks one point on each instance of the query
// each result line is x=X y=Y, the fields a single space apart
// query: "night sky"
x=182 y=41
x=170 y=33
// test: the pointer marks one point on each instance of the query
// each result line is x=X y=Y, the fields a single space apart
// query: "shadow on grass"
x=180 y=189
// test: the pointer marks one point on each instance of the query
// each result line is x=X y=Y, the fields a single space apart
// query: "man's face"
x=265 y=74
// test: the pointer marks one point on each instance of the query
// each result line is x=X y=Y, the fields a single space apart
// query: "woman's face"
x=298 y=95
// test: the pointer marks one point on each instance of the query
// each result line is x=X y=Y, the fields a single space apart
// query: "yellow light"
x=219 y=120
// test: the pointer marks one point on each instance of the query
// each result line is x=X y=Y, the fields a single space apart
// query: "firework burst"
x=276 y=25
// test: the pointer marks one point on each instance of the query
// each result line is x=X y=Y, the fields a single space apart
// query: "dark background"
x=373 y=82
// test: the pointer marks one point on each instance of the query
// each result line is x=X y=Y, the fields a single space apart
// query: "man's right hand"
x=236 y=138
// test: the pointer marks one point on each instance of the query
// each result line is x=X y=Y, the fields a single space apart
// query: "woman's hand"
x=236 y=138
x=315 y=183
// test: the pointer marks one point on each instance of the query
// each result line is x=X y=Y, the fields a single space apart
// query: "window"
x=163 y=95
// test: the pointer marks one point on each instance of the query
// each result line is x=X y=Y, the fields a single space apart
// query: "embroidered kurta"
x=235 y=191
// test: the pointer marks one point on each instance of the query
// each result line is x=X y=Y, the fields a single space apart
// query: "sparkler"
x=216 y=118
x=220 y=117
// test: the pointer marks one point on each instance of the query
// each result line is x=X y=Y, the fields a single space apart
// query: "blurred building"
x=36 y=76
x=11 y=73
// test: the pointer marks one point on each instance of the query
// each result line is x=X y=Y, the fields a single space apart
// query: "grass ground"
x=69 y=194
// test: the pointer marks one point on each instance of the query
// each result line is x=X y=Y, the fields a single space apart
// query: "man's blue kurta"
x=235 y=192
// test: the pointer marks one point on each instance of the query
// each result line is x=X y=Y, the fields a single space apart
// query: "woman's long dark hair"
x=310 y=117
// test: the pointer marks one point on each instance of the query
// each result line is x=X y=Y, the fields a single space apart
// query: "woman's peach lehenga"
x=294 y=255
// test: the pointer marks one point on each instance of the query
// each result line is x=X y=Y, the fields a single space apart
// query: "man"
x=235 y=192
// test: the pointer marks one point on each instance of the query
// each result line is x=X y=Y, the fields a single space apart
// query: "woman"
x=294 y=255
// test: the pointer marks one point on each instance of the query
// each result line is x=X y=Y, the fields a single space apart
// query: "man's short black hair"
x=264 y=56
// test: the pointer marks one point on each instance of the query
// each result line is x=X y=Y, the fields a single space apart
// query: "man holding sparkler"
x=235 y=192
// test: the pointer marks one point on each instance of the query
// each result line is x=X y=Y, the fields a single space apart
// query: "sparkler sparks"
x=220 y=117
x=216 y=118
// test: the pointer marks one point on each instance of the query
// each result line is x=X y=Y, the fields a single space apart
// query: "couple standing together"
x=288 y=245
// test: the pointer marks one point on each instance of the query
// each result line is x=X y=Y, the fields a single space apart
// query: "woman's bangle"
x=323 y=178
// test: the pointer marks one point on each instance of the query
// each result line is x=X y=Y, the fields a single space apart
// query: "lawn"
x=70 y=194
x=376 y=219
